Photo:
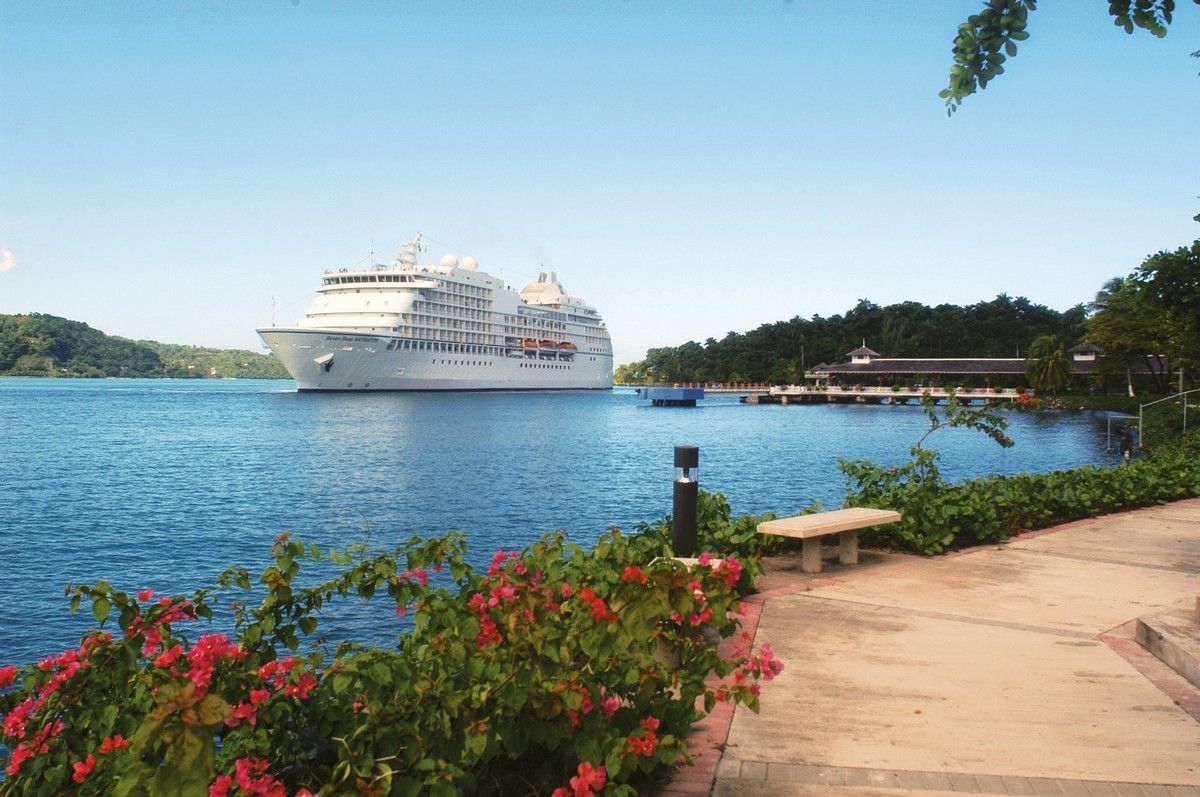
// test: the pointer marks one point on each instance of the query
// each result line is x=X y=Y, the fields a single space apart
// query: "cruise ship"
x=450 y=326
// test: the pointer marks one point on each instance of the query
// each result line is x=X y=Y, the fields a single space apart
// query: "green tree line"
x=45 y=345
x=780 y=352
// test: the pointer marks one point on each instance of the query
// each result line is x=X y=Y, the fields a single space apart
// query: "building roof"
x=863 y=351
x=1085 y=348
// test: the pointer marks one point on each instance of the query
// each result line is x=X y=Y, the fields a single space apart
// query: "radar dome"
x=449 y=261
x=470 y=264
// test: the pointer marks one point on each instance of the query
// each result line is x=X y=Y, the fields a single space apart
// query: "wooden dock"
x=853 y=394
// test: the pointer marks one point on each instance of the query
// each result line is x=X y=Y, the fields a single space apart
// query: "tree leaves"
x=979 y=41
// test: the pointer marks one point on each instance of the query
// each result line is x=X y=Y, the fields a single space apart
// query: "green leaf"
x=212 y=711
x=100 y=609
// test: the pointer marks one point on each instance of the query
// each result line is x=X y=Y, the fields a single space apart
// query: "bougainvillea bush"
x=556 y=671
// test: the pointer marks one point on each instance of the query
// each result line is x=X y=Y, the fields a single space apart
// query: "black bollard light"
x=687 y=489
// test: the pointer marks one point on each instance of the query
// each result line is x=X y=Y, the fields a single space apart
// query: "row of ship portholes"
x=484 y=362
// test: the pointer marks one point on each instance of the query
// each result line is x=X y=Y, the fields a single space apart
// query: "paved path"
x=1006 y=669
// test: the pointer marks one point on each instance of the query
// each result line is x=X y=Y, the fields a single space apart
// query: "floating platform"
x=671 y=396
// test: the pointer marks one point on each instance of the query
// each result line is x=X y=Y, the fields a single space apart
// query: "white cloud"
x=7 y=259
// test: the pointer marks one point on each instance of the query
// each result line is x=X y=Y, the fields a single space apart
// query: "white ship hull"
x=347 y=360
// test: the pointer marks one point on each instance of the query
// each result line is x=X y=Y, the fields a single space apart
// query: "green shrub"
x=545 y=671
x=938 y=516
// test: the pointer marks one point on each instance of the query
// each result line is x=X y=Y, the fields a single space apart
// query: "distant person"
x=1126 y=442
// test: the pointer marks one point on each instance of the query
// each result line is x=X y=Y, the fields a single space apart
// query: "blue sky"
x=167 y=170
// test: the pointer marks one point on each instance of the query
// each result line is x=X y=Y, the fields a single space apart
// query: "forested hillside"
x=218 y=362
x=46 y=345
x=779 y=352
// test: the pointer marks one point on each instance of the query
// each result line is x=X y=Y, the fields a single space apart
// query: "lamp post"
x=687 y=488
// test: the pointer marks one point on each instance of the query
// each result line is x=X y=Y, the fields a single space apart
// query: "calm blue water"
x=162 y=484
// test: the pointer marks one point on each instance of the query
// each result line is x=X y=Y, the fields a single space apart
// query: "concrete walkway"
x=1007 y=669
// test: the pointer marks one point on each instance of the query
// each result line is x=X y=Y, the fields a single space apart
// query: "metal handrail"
x=1142 y=407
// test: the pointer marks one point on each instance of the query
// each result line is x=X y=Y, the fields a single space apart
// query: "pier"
x=859 y=394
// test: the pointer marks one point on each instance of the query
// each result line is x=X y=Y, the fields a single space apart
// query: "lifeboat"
x=529 y=343
x=567 y=345
x=548 y=344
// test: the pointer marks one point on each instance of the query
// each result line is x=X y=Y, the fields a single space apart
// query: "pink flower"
x=145 y=595
x=242 y=712
x=259 y=696
x=705 y=559
x=245 y=772
x=416 y=574
x=8 y=675
x=83 y=769
x=609 y=706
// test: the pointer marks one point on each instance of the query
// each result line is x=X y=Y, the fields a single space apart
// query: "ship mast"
x=407 y=256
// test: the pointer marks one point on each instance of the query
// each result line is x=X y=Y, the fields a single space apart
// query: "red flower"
x=634 y=573
x=301 y=688
x=168 y=657
x=113 y=743
x=648 y=742
x=259 y=696
x=8 y=675
x=582 y=785
x=20 y=754
x=83 y=769
x=600 y=612
x=489 y=633
x=221 y=786
x=145 y=595
x=242 y=712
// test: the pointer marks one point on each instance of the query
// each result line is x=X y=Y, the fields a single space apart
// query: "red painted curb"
x=1177 y=688
x=706 y=739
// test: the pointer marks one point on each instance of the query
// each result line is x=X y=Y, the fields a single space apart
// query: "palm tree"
x=1048 y=364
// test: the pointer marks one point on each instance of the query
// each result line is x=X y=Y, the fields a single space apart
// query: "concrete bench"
x=843 y=522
